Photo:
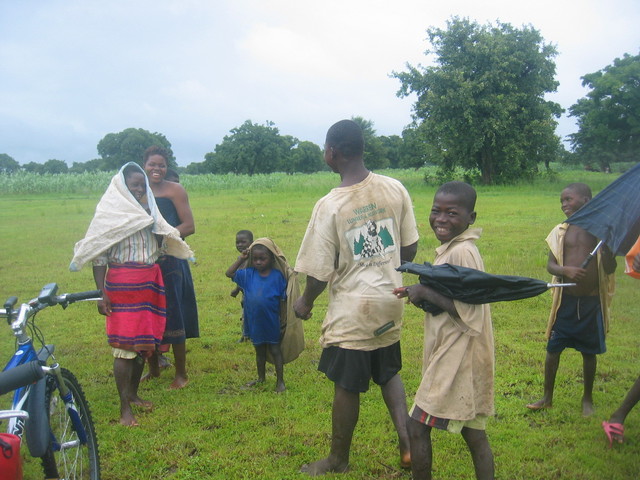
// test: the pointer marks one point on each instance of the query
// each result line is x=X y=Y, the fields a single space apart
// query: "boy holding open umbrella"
x=456 y=391
x=579 y=316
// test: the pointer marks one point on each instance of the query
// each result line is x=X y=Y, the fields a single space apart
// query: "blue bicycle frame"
x=32 y=397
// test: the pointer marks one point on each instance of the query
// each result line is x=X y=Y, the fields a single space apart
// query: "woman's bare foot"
x=322 y=467
x=280 y=387
x=539 y=405
x=179 y=382
x=127 y=419
x=138 y=402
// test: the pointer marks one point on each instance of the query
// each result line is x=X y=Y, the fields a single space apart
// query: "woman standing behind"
x=182 y=311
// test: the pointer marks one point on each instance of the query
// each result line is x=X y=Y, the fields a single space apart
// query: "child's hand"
x=234 y=292
x=301 y=309
x=574 y=273
x=414 y=294
x=400 y=292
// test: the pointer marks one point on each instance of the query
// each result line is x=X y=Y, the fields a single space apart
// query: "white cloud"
x=72 y=71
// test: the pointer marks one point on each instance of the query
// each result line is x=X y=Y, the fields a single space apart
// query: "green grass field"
x=215 y=428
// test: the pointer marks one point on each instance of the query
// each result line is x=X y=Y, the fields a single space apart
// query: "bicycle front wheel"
x=68 y=457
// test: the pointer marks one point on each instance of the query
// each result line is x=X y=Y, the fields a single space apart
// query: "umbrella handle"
x=591 y=255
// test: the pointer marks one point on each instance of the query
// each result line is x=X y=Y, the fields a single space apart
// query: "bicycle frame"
x=31 y=398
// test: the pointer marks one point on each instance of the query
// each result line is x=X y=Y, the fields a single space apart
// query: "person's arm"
x=180 y=200
x=304 y=304
x=419 y=293
x=231 y=271
x=572 y=273
x=99 y=274
x=408 y=253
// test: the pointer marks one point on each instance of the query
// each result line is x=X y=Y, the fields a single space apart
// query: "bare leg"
x=481 y=453
x=180 y=358
x=276 y=353
x=261 y=364
x=589 y=364
x=346 y=409
x=630 y=401
x=551 y=364
x=136 y=371
x=421 y=451
x=154 y=367
x=396 y=401
x=122 y=372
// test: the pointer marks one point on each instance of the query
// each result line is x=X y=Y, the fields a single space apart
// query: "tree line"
x=480 y=109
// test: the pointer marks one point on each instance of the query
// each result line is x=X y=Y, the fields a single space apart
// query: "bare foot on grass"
x=179 y=382
x=539 y=405
x=322 y=467
x=587 y=408
x=280 y=387
x=138 y=402
x=128 y=420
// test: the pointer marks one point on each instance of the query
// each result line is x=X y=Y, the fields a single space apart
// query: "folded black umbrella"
x=474 y=286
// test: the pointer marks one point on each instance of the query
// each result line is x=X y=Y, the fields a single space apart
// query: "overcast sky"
x=72 y=71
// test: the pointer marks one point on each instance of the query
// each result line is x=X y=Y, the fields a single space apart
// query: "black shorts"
x=352 y=369
x=578 y=325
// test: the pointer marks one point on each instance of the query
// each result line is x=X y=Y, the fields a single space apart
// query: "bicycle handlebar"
x=20 y=376
x=69 y=298
x=47 y=298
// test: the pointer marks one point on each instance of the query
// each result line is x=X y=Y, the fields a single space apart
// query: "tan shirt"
x=606 y=282
x=458 y=359
x=353 y=241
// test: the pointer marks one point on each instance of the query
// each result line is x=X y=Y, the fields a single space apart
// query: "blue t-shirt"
x=262 y=296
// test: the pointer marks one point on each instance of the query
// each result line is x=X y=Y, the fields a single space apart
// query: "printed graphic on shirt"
x=373 y=239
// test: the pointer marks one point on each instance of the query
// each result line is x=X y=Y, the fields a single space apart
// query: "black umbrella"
x=474 y=286
x=613 y=215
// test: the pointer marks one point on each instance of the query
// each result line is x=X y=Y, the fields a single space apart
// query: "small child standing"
x=579 y=315
x=244 y=238
x=456 y=391
x=264 y=289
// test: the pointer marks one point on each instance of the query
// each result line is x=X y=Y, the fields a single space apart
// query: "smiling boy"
x=456 y=391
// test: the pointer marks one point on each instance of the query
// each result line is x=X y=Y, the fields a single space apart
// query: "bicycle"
x=59 y=429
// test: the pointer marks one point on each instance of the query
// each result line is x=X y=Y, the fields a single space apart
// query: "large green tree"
x=306 y=157
x=375 y=155
x=609 y=116
x=251 y=149
x=116 y=149
x=415 y=152
x=8 y=164
x=55 y=166
x=482 y=104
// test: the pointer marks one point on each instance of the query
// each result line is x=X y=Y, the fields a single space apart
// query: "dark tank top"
x=168 y=211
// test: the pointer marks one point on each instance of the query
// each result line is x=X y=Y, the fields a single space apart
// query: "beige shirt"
x=353 y=241
x=458 y=361
x=606 y=282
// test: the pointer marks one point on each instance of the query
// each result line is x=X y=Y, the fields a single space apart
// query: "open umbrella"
x=613 y=215
x=474 y=286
